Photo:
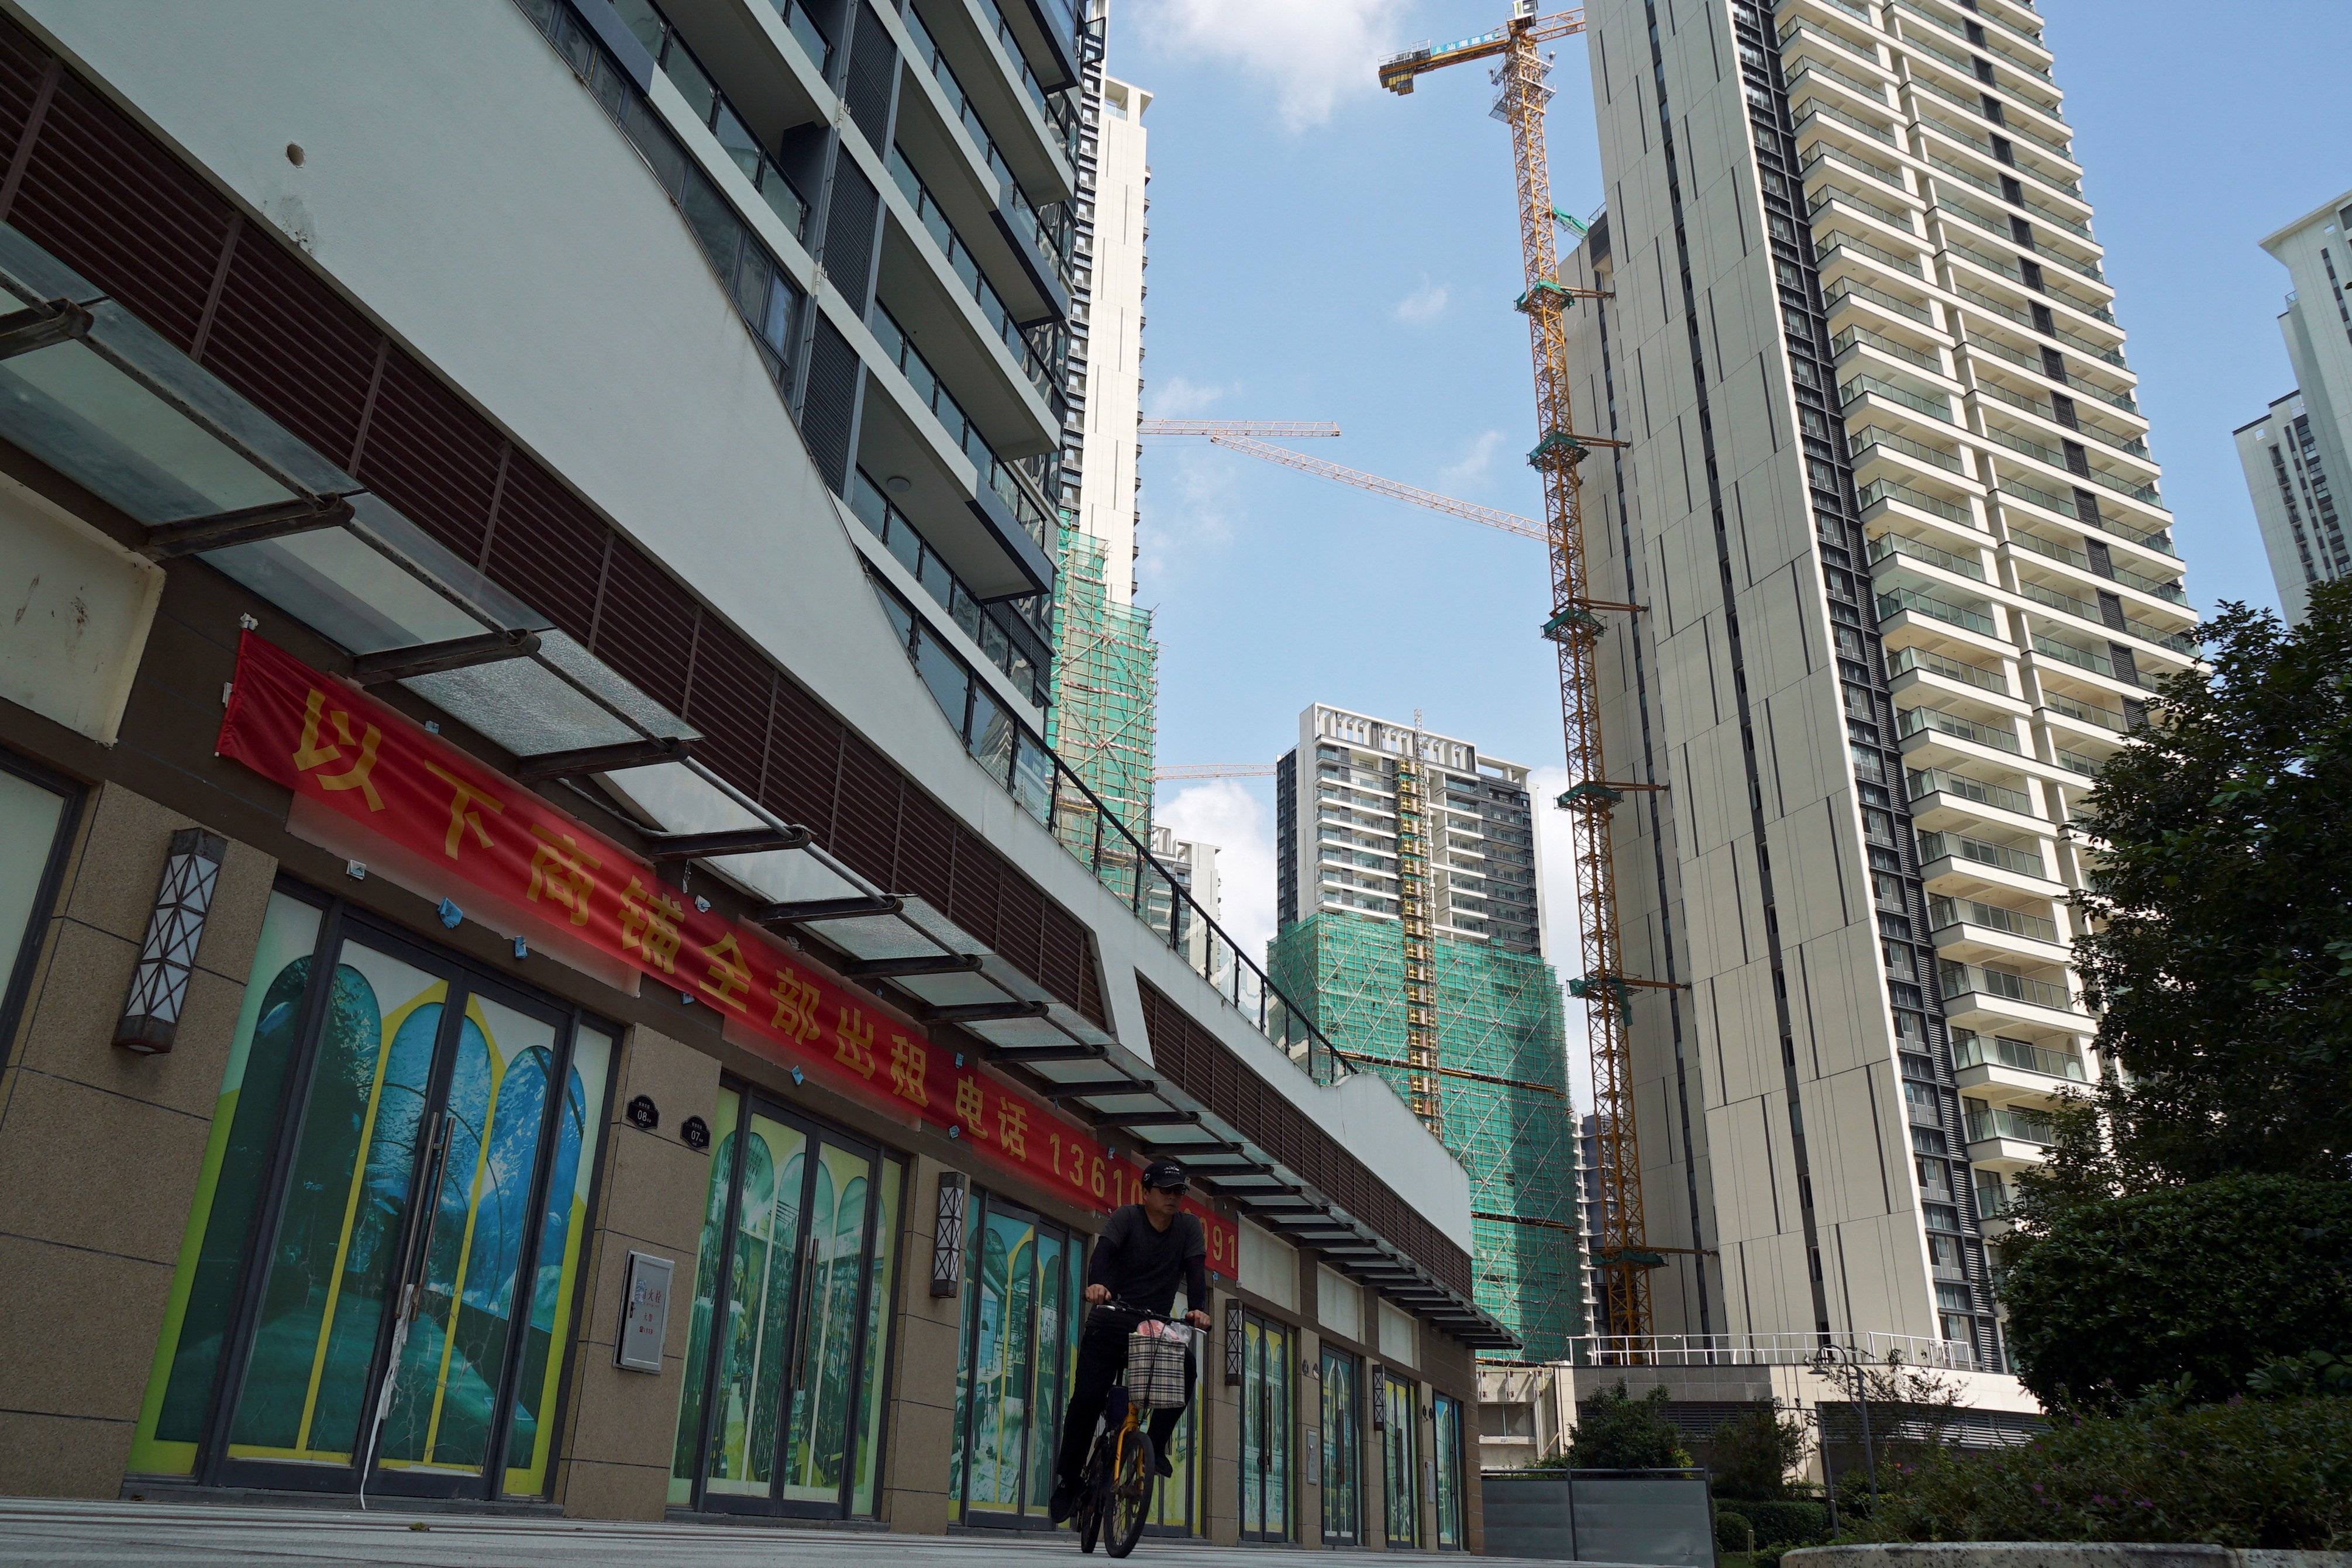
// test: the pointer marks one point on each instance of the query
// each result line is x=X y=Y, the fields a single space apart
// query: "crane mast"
x=1625 y=1257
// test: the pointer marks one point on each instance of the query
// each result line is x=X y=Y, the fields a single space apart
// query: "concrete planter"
x=2056 y=1555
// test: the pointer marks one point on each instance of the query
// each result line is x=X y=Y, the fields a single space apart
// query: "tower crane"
x=1625 y=1257
x=1279 y=429
x=1213 y=770
x=1509 y=522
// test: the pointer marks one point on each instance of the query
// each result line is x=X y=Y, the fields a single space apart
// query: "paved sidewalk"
x=41 y=1531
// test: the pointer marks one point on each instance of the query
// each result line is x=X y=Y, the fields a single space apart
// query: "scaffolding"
x=1502 y=1076
x=1104 y=718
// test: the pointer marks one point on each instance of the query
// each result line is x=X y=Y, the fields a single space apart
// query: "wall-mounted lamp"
x=947 y=1233
x=159 y=986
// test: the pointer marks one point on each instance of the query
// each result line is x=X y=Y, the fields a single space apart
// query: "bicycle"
x=1121 y=1471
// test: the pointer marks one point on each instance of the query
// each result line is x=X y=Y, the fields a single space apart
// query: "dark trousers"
x=1102 y=1356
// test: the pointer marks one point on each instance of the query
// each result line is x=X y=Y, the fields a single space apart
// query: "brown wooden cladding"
x=1200 y=1064
x=110 y=202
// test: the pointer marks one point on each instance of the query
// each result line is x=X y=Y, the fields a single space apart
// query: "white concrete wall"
x=1107 y=474
x=460 y=186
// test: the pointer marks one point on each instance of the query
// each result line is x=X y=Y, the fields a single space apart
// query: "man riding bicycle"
x=1143 y=1253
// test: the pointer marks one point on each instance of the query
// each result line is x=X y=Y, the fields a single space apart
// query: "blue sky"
x=1324 y=250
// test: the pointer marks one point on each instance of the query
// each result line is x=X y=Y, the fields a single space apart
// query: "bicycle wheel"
x=1088 y=1515
x=1129 y=1503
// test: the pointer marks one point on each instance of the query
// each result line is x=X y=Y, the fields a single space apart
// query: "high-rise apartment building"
x=1905 y=572
x=2291 y=453
x=1364 y=840
x=1106 y=693
x=544 y=957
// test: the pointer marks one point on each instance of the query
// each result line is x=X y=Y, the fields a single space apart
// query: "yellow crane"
x=1488 y=516
x=1625 y=1257
x=1213 y=770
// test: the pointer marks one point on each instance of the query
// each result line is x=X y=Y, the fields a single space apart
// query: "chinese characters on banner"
x=366 y=762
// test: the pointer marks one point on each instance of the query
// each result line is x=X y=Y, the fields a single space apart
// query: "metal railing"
x=1771 y=1350
x=1869 y=436
x=1837 y=240
x=1960 y=846
x=1943 y=911
x=1879 y=490
x=1922 y=782
x=2105 y=718
x=1978 y=1051
x=1903 y=661
x=1911 y=721
x=1939 y=407
x=1841 y=287
x=2081 y=658
x=2003 y=1121
x=966 y=267
x=1888 y=346
x=1958 y=981
x=1895 y=600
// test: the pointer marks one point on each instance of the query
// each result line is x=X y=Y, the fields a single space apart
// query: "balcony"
x=2109 y=720
x=907 y=276
x=1977 y=993
x=2083 y=609
x=1931 y=722
x=2132 y=445
x=1936 y=405
x=2064 y=507
x=1928 y=359
x=1926 y=785
x=1830 y=244
x=2082 y=390
x=1887 y=547
x=1969 y=1049
x=1902 y=662
x=1870 y=443
x=2054 y=550
x=2006 y=1138
x=994 y=93
x=1903 y=600
x=1996 y=864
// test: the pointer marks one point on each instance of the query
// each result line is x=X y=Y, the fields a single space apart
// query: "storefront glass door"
x=1265 y=1430
x=1343 y=1439
x=1400 y=1460
x=1015 y=1359
x=790 y=1318
x=1446 y=1437
x=429 y=1139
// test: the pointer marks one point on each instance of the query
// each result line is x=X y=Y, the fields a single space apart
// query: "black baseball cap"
x=1165 y=1173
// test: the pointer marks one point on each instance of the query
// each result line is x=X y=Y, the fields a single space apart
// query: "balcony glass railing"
x=1837 y=240
x=1053 y=107
x=962 y=262
x=1879 y=490
x=1960 y=846
x=2081 y=658
x=1835 y=115
x=1912 y=721
x=1796 y=31
x=1887 y=547
x=1964 y=979
x=2074 y=761
x=1922 y=782
x=2003 y=1121
x=994 y=471
x=1829 y=154
x=1840 y=289
x=2086 y=713
x=1935 y=406
x=1896 y=600
x=2064 y=507
x=2083 y=610
x=1927 y=661
x=1972 y=1050
x=1885 y=345
x=2104 y=352
x=2130 y=489
x=1861 y=441
x=991 y=626
x=1838 y=196
x=1943 y=911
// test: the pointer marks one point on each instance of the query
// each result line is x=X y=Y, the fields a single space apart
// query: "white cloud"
x=1422 y=306
x=1224 y=813
x=1563 y=940
x=1310 y=53
x=1477 y=462
x=1178 y=398
x=1190 y=506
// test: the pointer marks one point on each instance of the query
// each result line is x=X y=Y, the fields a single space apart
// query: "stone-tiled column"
x=920 y=1416
x=621 y=1426
x=1221 y=1436
x=101 y=1148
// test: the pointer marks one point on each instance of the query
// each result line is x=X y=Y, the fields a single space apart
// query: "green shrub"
x=1732 y=1530
x=1754 y=1453
x=2206 y=1281
x=1615 y=1431
x=2274 y=1474
x=1790 y=1521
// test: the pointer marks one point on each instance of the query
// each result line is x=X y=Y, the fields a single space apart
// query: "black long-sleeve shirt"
x=1141 y=1266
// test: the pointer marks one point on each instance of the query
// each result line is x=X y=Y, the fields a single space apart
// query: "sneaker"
x=1063 y=1504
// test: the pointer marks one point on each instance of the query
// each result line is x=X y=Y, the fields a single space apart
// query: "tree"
x=2220 y=908
x=1756 y=1452
x=2190 y=1289
x=1614 y=1431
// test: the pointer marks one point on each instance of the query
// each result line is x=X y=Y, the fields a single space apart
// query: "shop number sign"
x=335 y=746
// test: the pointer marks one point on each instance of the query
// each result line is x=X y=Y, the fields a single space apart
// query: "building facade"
x=1346 y=825
x=544 y=958
x=1906 y=575
x=2289 y=451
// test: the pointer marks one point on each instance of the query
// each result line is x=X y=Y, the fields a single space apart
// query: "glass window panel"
x=938 y=580
x=233 y=1176
x=880 y=1318
x=905 y=543
x=762 y=1275
x=994 y=643
x=561 y=1246
x=943 y=673
x=708 y=1257
x=752 y=276
x=992 y=732
x=966 y=612
x=1002 y=1347
x=735 y=139
x=692 y=85
x=344 y=1214
x=783 y=301
x=29 y=816
x=902 y=621
x=817 y=1442
x=866 y=500
x=713 y=221
x=643 y=23
x=644 y=127
x=1032 y=778
x=783 y=201
x=1046 y=1402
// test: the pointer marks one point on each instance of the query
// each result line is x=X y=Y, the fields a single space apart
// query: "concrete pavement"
x=43 y=1532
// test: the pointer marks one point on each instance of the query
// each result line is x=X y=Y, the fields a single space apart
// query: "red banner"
x=332 y=743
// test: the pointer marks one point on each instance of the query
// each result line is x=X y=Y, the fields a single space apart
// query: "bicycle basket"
x=1155 y=1371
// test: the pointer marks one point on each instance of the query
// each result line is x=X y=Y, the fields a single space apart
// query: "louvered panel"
x=1089 y=999
x=1020 y=925
x=120 y=209
x=728 y=704
x=972 y=902
x=22 y=61
x=829 y=409
x=849 y=234
x=873 y=68
x=432 y=456
x=803 y=762
x=1061 y=950
x=282 y=339
x=926 y=853
x=548 y=549
x=645 y=627
x=865 y=817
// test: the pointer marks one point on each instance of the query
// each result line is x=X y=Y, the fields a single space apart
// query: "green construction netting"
x=1500 y=1014
x=1103 y=721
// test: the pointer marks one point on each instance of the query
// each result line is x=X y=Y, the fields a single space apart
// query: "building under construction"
x=1106 y=689
x=1408 y=930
